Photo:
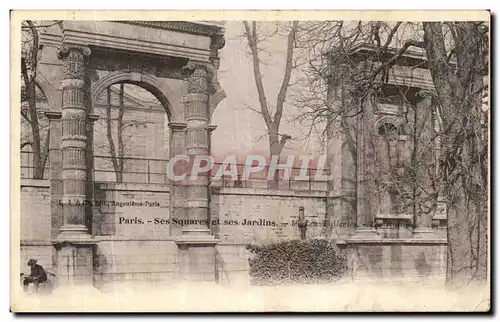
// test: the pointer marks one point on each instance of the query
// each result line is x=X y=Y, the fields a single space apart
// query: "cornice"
x=198 y=28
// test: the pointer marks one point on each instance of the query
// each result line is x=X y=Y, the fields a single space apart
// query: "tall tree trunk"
x=35 y=133
x=28 y=72
x=109 y=135
x=120 y=134
x=458 y=94
x=276 y=141
x=275 y=148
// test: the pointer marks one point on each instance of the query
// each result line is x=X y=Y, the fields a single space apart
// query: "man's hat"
x=32 y=262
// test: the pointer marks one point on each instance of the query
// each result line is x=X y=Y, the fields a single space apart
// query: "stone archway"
x=167 y=97
x=53 y=96
x=177 y=63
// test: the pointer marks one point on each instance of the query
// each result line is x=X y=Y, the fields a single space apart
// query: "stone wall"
x=134 y=260
x=128 y=250
x=35 y=223
x=399 y=259
x=129 y=210
x=272 y=213
x=247 y=215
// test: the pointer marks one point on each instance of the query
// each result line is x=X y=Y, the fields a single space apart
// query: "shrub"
x=311 y=261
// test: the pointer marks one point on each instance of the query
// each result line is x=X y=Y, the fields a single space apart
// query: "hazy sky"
x=241 y=130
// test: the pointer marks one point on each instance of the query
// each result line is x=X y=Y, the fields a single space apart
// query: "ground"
x=343 y=296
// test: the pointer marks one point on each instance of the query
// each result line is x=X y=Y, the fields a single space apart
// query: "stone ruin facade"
x=384 y=151
x=177 y=62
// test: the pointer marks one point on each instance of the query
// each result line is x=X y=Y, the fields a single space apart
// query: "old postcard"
x=250 y=161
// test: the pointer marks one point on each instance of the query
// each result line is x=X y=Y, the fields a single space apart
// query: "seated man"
x=37 y=275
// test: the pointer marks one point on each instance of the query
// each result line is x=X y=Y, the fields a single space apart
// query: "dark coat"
x=37 y=271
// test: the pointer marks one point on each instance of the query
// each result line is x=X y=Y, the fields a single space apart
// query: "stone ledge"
x=341 y=193
x=143 y=187
x=270 y=192
x=197 y=241
x=36 y=243
x=123 y=239
x=37 y=183
x=404 y=241
x=84 y=240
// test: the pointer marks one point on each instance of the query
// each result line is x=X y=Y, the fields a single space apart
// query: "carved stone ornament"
x=218 y=41
x=196 y=75
x=192 y=66
x=427 y=92
x=63 y=51
x=73 y=61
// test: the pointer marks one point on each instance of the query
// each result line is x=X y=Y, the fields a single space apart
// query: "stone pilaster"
x=341 y=162
x=55 y=156
x=74 y=141
x=89 y=215
x=179 y=193
x=365 y=171
x=333 y=157
x=423 y=148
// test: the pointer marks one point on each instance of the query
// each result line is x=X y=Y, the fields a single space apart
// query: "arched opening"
x=388 y=130
x=161 y=91
x=388 y=158
x=131 y=136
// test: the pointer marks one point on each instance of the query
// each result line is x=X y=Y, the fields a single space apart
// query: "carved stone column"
x=74 y=140
x=197 y=144
x=197 y=261
x=74 y=243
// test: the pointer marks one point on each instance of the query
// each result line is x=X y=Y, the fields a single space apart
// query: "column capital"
x=193 y=66
x=177 y=126
x=65 y=48
x=423 y=93
x=53 y=115
x=218 y=41
x=92 y=117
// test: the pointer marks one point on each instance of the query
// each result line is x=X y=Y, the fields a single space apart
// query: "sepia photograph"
x=275 y=161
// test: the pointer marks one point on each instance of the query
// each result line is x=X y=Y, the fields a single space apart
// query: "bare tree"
x=116 y=132
x=116 y=155
x=272 y=120
x=29 y=111
x=464 y=157
x=456 y=59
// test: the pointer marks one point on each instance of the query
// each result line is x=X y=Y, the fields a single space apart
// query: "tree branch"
x=286 y=77
x=252 y=43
